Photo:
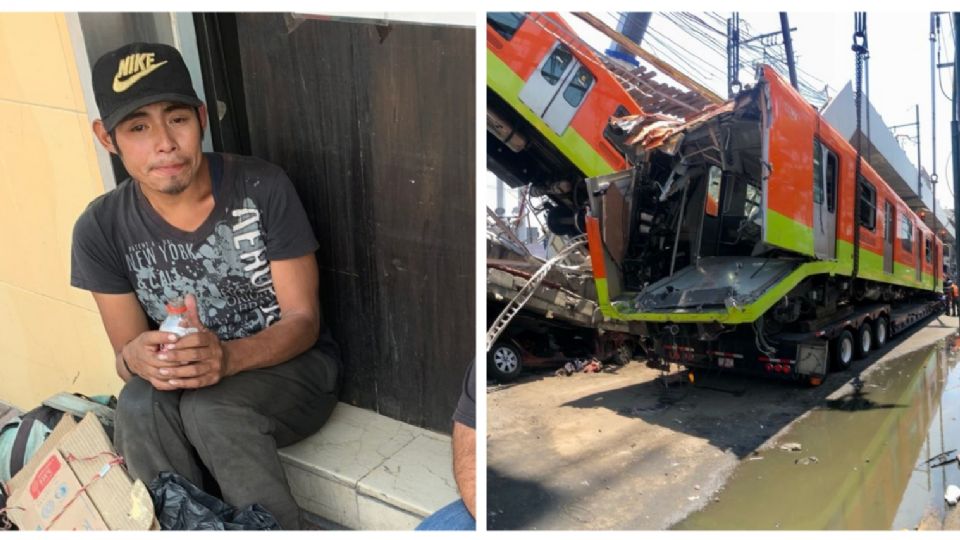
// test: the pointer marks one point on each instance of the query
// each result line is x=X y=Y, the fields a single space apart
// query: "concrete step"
x=369 y=472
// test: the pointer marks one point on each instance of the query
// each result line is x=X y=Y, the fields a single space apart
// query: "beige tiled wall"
x=51 y=338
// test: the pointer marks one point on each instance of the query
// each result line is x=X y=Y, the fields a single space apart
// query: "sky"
x=899 y=67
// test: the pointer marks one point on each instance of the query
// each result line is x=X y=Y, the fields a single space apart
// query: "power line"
x=682 y=48
x=662 y=41
x=667 y=47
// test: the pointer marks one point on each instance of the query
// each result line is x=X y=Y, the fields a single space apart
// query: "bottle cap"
x=176 y=308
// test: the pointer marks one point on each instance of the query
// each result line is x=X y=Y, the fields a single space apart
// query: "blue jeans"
x=452 y=517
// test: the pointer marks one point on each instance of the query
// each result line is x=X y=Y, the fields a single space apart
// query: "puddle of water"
x=923 y=497
x=862 y=458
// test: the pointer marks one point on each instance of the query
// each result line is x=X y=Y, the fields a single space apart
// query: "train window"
x=578 y=87
x=817 y=173
x=506 y=24
x=752 y=204
x=556 y=64
x=831 y=177
x=617 y=138
x=713 y=192
x=906 y=233
x=927 y=249
x=868 y=204
x=824 y=176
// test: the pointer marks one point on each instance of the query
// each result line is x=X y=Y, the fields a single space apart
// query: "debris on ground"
x=806 y=460
x=943 y=458
x=952 y=494
x=791 y=447
x=591 y=365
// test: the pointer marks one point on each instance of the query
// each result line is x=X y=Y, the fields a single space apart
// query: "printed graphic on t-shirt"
x=228 y=273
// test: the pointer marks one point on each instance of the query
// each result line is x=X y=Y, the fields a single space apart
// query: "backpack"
x=954 y=290
x=22 y=436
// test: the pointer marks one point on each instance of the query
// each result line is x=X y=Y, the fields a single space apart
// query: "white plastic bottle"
x=175 y=311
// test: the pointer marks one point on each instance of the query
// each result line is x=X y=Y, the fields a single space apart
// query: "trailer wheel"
x=843 y=351
x=504 y=361
x=624 y=354
x=881 y=331
x=864 y=340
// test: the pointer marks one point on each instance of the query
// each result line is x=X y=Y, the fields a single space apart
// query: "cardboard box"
x=75 y=482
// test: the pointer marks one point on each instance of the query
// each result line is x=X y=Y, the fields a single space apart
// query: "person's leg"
x=238 y=424
x=149 y=434
x=452 y=517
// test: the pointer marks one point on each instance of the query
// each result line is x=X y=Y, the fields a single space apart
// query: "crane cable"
x=860 y=51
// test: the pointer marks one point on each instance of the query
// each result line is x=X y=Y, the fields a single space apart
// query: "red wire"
x=70 y=457
x=117 y=459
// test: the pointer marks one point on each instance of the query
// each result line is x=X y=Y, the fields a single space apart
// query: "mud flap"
x=813 y=358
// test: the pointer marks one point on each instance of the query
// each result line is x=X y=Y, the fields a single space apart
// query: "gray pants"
x=233 y=428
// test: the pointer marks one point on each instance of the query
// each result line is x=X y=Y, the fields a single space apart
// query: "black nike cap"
x=139 y=74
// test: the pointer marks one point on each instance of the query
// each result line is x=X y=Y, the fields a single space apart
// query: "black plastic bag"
x=181 y=506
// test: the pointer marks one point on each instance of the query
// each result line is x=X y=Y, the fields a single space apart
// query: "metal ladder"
x=526 y=292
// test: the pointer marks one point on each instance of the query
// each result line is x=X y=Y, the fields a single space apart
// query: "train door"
x=919 y=258
x=824 y=202
x=557 y=88
x=888 y=234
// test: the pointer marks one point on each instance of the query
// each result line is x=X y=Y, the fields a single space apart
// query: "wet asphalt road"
x=623 y=451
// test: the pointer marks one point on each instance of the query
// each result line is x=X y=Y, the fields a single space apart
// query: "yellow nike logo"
x=133 y=68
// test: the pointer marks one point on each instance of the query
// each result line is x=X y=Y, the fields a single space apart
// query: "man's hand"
x=141 y=358
x=195 y=360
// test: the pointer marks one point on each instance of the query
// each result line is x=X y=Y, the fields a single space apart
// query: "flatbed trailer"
x=807 y=356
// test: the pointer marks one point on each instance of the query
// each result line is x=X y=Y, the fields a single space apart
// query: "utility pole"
x=788 y=48
x=919 y=169
x=916 y=125
x=733 y=55
x=933 y=123
x=955 y=138
x=733 y=51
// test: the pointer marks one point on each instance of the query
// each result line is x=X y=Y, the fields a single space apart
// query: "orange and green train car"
x=744 y=240
x=549 y=99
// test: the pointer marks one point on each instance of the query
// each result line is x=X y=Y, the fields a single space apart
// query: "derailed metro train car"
x=742 y=240
x=548 y=101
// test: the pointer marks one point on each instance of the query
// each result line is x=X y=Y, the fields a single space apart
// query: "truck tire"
x=864 y=340
x=843 y=347
x=504 y=361
x=624 y=354
x=881 y=332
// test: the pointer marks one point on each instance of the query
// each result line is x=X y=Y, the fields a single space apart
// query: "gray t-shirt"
x=466 y=412
x=121 y=244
